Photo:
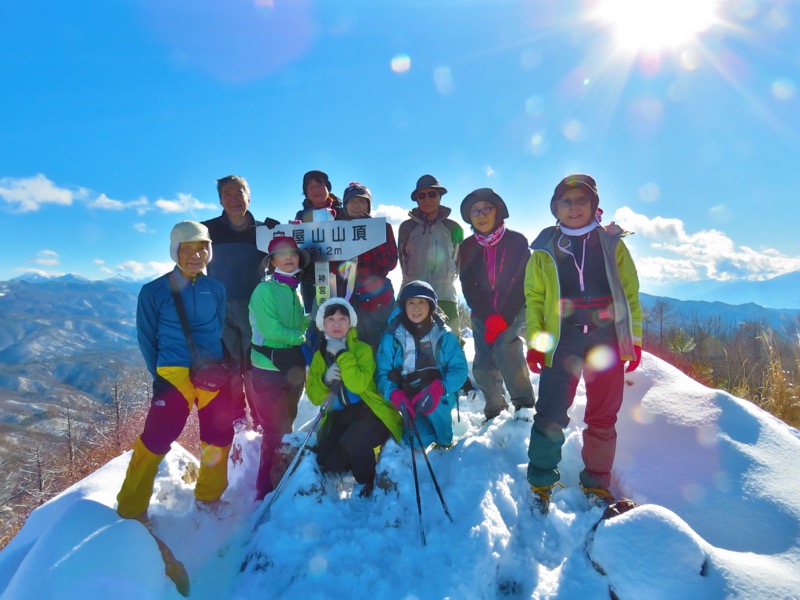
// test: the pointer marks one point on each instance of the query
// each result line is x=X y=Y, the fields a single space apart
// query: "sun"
x=656 y=25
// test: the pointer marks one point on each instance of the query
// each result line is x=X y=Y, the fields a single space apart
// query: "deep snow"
x=716 y=477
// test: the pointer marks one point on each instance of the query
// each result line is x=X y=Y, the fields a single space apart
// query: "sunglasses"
x=423 y=195
x=477 y=212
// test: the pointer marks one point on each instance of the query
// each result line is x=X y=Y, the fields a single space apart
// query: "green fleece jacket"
x=358 y=375
x=543 y=293
x=276 y=318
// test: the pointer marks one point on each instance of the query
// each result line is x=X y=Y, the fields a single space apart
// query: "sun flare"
x=656 y=25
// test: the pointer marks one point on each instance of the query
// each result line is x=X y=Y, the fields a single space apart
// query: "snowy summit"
x=716 y=479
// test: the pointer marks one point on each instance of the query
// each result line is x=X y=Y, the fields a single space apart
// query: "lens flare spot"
x=642 y=415
x=401 y=63
x=706 y=436
x=573 y=130
x=601 y=358
x=647 y=112
x=775 y=20
x=693 y=492
x=443 y=80
x=542 y=341
x=745 y=9
x=722 y=481
x=538 y=143
x=690 y=59
x=534 y=106
x=649 y=192
x=784 y=88
x=317 y=566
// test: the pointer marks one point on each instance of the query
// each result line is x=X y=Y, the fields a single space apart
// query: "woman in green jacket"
x=278 y=369
x=358 y=419
x=583 y=317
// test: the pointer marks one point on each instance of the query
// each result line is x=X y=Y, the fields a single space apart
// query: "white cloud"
x=184 y=203
x=105 y=203
x=706 y=254
x=394 y=214
x=138 y=269
x=489 y=171
x=46 y=258
x=142 y=228
x=31 y=193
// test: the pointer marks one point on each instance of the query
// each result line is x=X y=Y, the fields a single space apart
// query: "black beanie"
x=318 y=176
x=577 y=180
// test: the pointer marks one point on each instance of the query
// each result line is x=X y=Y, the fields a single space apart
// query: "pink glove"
x=426 y=401
x=399 y=399
x=495 y=325
x=632 y=364
x=535 y=360
x=295 y=222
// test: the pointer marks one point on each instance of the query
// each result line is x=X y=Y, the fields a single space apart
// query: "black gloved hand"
x=271 y=223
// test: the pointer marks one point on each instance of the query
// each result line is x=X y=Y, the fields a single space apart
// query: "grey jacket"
x=429 y=251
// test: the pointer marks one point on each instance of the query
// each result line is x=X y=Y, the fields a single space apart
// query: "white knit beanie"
x=331 y=302
x=188 y=231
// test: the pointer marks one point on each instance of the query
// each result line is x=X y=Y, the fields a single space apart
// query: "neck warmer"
x=290 y=279
x=417 y=330
x=582 y=231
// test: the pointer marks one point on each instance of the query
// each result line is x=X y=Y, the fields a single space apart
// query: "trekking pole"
x=430 y=468
x=264 y=510
x=407 y=416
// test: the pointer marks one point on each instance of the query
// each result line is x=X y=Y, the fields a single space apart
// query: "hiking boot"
x=367 y=489
x=540 y=497
x=598 y=496
x=218 y=508
x=437 y=446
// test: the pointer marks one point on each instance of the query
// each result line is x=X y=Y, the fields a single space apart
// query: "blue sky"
x=116 y=118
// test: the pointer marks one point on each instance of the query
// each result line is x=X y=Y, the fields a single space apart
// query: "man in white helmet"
x=166 y=353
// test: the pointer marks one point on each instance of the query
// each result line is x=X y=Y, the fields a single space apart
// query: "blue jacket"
x=448 y=354
x=158 y=327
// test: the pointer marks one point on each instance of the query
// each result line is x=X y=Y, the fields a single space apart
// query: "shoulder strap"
x=176 y=296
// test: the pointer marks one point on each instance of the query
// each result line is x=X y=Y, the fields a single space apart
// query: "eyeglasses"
x=569 y=203
x=423 y=195
x=477 y=212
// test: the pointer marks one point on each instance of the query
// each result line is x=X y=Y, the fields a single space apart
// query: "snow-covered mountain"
x=716 y=478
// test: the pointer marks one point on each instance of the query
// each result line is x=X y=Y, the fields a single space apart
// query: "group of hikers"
x=245 y=333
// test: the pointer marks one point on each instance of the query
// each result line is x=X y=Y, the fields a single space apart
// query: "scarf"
x=290 y=279
x=489 y=244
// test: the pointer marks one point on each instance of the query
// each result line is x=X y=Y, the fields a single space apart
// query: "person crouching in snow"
x=358 y=419
x=278 y=369
x=166 y=354
x=421 y=365
x=583 y=315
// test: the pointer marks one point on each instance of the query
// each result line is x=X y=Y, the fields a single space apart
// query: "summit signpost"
x=327 y=241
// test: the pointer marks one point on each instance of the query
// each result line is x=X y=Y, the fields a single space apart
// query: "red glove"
x=535 y=360
x=495 y=325
x=399 y=399
x=427 y=400
x=632 y=364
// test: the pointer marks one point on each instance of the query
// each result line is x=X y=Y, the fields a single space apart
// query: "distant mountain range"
x=779 y=292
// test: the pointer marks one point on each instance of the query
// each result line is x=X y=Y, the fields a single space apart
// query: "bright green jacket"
x=276 y=318
x=358 y=375
x=543 y=292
